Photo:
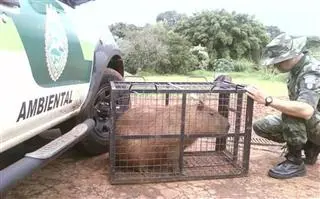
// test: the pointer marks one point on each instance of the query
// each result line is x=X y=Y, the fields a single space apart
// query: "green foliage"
x=243 y=65
x=225 y=35
x=200 y=73
x=273 y=31
x=229 y=65
x=143 y=50
x=146 y=73
x=201 y=55
x=170 y=18
x=206 y=41
x=271 y=73
x=155 y=49
x=120 y=29
x=222 y=65
x=180 y=59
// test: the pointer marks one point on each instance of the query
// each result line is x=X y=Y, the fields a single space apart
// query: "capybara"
x=159 y=152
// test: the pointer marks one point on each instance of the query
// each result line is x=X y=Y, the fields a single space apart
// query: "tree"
x=225 y=35
x=181 y=60
x=273 y=31
x=143 y=50
x=154 y=48
x=170 y=18
x=201 y=55
x=120 y=29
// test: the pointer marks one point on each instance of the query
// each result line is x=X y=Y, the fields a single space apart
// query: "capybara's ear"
x=200 y=106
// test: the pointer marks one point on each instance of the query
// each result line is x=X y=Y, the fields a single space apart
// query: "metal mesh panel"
x=179 y=131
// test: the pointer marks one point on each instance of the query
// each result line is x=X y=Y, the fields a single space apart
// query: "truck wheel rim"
x=102 y=112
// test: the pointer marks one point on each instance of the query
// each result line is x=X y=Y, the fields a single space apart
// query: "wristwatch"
x=268 y=100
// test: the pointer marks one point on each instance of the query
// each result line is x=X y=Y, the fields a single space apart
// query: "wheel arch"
x=104 y=57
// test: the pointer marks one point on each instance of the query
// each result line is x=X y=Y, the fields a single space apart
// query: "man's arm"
x=306 y=103
x=293 y=108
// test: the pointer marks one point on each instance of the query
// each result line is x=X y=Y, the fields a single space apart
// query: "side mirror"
x=10 y=3
x=74 y=3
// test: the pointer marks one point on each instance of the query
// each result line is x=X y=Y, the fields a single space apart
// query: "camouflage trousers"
x=292 y=130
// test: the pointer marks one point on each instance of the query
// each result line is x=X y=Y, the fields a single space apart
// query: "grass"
x=271 y=85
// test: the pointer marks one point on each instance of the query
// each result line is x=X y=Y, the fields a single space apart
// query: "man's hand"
x=257 y=95
x=293 y=108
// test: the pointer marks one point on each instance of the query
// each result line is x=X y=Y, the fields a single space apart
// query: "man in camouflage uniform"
x=299 y=124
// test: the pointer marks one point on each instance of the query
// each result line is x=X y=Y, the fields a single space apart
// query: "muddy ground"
x=76 y=176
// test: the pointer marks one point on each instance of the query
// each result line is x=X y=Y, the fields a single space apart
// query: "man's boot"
x=293 y=166
x=311 y=152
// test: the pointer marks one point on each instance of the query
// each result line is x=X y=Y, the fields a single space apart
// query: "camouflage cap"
x=282 y=48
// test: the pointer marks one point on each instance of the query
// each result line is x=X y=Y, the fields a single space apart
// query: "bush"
x=270 y=73
x=143 y=50
x=222 y=65
x=229 y=65
x=202 y=57
x=225 y=34
x=179 y=59
x=156 y=49
x=243 y=65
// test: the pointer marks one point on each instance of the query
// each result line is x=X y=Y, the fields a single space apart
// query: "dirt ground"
x=74 y=176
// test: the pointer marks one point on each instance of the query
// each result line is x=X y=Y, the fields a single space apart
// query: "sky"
x=298 y=17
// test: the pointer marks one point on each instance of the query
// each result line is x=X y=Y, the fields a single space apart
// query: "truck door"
x=44 y=75
x=53 y=49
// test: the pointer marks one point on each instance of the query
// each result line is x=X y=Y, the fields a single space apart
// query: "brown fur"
x=162 y=121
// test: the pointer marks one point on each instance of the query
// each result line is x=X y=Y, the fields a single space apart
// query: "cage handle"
x=132 y=84
x=237 y=86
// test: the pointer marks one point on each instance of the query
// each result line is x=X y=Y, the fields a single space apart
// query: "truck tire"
x=97 y=141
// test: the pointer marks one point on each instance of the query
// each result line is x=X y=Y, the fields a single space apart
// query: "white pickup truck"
x=56 y=72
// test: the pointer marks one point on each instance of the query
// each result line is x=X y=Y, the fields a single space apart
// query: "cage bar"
x=223 y=110
x=173 y=131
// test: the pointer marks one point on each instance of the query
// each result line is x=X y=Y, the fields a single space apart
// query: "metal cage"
x=179 y=131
